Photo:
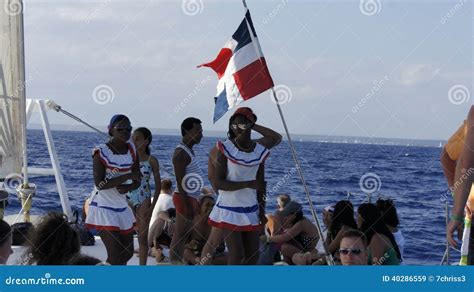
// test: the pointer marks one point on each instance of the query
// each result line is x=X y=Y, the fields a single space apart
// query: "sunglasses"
x=123 y=129
x=346 y=251
x=241 y=126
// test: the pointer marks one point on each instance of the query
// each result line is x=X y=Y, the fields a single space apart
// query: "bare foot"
x=159 y=255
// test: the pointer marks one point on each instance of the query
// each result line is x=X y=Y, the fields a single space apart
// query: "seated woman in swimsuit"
x=383 y=249
x=273 y=225
x=342 y=221
x=300 y=234
x=200 y=234
x=390 y=218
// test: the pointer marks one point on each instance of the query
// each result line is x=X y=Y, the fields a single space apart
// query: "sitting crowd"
x=372 y=238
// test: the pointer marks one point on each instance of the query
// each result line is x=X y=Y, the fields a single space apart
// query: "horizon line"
x=214 y=133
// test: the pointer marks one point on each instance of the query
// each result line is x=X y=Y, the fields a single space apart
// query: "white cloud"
x=72 y=13
x=414 y=74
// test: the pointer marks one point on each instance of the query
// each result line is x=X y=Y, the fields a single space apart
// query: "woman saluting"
x=239 y=178
x=116 y=172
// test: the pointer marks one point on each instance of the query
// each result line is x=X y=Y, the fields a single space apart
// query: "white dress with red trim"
x=109 y=209
x=239 y=210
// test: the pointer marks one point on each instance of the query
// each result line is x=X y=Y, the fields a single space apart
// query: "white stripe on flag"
x=243 y=57
x=231 y=44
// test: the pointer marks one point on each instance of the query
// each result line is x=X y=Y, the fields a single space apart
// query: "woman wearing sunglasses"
x=239 y=178
x=116 y=172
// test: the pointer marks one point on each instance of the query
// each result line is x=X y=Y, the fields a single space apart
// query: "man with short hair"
x=189 y=181
x=353 y=249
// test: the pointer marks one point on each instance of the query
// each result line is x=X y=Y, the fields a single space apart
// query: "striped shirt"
x=193 y=181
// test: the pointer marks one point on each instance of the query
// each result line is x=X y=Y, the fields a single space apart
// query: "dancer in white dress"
x=239 y=177
x=116 y=172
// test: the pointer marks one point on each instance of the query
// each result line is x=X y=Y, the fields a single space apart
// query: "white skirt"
x=103 y=217
x=235 y=218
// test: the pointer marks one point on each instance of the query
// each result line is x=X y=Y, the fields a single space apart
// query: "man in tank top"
x=189 y=182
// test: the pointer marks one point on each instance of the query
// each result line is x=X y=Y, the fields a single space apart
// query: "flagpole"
x=329 y=257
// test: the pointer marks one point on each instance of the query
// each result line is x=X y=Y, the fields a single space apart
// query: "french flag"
x=241 y=69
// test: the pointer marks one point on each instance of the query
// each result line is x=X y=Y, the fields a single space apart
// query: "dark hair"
x=83 y=260
x=171 y=212
x=54 y=241
x=188 y=124
x=352 y=233
x=343 y=215
x=372 y=223
x=166 y=184
x=298 y=216
x=115 y=120
x=5 y=232
x=389 y=212
x=147 y=136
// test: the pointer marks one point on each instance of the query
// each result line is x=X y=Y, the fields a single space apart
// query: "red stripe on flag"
x=220 y=63
x=253 y=79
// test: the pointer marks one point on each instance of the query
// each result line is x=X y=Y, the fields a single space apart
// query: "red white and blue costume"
x=239 y=210
x=109 y=209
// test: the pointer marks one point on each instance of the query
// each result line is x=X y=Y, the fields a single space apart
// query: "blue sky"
x=400 y=69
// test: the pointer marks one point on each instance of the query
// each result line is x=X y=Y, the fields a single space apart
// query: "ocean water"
x=411 y=176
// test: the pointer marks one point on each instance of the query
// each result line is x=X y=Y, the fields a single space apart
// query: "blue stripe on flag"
x=241 y=36
x=221 y=105
x=249 y=19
